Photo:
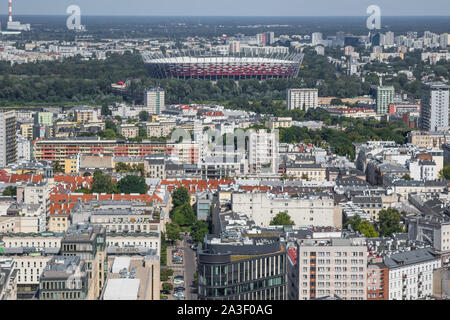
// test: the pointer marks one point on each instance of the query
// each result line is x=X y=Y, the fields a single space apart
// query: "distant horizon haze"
x=231 y=8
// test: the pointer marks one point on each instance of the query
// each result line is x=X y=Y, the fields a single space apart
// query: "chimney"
x=10 y=11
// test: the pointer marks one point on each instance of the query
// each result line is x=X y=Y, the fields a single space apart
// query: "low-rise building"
x=411 y=274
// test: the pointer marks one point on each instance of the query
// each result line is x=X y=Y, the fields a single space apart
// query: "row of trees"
x=102 y=183
x=183 y=218
x=389 y=222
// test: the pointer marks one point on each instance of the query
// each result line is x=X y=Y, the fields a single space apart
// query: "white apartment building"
x=261 y=207
x=29 y=263
x=23 y=149
x=328 y=267
x=263 y=152
x=302 y=99
x=423 y=170
x=435 y=106
x=36 y=240
x=154 y=100
x=7 y=138
x=411 y=274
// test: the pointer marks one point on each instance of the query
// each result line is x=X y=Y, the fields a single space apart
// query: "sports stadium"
x=214 y=66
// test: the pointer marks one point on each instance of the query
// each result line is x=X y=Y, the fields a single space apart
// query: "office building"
x=132 y=277
x=64 y=278
x=243 y=269
x=89 y=243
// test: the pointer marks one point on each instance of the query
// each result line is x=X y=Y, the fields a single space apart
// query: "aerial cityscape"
x=224 y=157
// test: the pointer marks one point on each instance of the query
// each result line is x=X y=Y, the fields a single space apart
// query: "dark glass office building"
x=251 y=269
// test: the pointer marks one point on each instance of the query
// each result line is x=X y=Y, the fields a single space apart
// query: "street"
x=190 y=267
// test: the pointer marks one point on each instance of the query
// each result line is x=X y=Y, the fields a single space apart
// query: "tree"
x=184 y=215
x=406 y=177
x=105 y=110
x=167 y=286
x=132 y=184
x=180 y=196
x=10 y=191
x=363 y=226
x=199 y=230
x=173 y=231
x=144 y=116
x=389 y=222
x=83 y=190
x=57 y=168
x=282 y=219
x=445 y=173
x=304 y=177
x=354 y=222
x=165 y=274
x=102 y=183
x=336 y=102
x=367 y=229
x=122 y=167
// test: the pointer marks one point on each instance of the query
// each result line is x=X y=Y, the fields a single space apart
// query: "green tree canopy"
x=173 y=232
x=282 y=219
x=180 y=196
x=102 y=183
x=144 y=116
x=363 y=226
x=389 y=222
x=132 y=184
x=184 y=215
x=167 y=286
x=199 y=230
x=367 y=229
x=406 y=177
x=445 y=172
x=10 y=191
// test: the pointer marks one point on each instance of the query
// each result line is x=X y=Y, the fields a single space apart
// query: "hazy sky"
x=231 y=7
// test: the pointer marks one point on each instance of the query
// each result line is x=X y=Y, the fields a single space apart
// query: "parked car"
x=165 y=292
x=178 y=294
x=180 y=288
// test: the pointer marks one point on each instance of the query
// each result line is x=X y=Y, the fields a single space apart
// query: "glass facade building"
x=243 y=272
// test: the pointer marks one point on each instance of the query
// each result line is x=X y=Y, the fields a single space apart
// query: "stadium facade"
x=214 y=66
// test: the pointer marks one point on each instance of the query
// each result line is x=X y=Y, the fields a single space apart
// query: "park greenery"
x=78 y=81
x=102 y=183
x=350 y=131
x=184 y=219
